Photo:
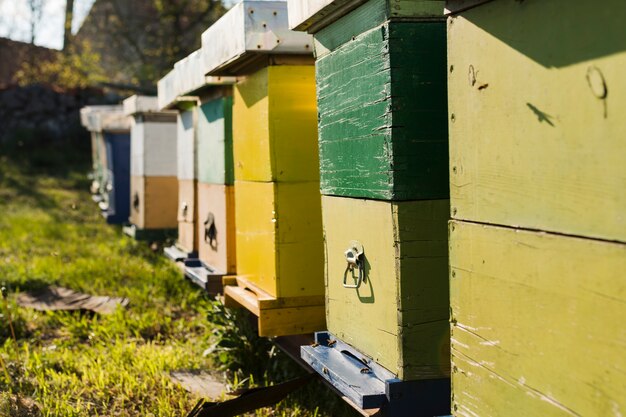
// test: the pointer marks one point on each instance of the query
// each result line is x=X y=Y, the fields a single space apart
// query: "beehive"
x=154 y=184
x=90 y=120
x=537 y=196
x=112 y=137
x=277 y=201
x=216 y=196
x=381 y=94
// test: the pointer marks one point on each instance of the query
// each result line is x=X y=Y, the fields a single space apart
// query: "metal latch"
x=183 y=211
x=354 y=257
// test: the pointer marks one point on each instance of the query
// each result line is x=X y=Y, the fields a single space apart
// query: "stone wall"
x=45 y=111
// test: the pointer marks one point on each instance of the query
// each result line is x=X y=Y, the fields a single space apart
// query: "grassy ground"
x=72 y=364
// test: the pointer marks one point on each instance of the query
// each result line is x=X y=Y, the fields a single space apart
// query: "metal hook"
x=354 y=257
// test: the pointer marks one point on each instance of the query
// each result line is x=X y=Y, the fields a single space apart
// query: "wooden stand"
x=277 y=316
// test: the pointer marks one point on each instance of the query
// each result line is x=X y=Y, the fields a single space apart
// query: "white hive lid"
x=104 y=118
x=248 y=31
x=140 y=104
x=167 y=90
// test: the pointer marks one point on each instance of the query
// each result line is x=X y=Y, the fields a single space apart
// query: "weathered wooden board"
x=186 y=144
x=275 y=125
x=187 y=215
x=216 y=226
x=536 y=323
x=383 y=114
x=279 y=237
x=536 y=127
x=277 y=316
x=215 y=141
x=153 y=203
x=399 y=315
x=335 y=29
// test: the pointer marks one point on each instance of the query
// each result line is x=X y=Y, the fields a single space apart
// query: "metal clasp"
x=354 y=257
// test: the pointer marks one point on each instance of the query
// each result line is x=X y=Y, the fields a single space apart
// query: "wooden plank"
x=279 y=242
x=267 y=302
x=215 y=146
x=291 y=321
x=216 y=205
x=534 y=329
x=235 y=296
x=278 y=321
x=383 y=114
x=399 y=315
x=536 y=128
x=275 y=125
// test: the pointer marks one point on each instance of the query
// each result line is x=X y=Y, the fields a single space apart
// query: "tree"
x=35 y=8
x=67 y=29
x=78 y=66
x=140 y=40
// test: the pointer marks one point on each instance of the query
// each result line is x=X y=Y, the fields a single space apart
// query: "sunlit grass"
x=76 y=364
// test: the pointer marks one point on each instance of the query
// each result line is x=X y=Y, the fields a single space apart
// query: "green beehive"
x=382 y=103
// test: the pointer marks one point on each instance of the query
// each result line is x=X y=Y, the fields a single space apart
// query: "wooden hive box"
x=537 y=196
x=381 y=93
x=216 y=194
x=534 y=329
x=278 y=208
x=154 y=183
x=112 y=130
x=381 y=87
x=89 y=117
x=398 y=315
x=536 y=127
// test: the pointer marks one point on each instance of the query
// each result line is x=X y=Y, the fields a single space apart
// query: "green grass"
x=77 y=364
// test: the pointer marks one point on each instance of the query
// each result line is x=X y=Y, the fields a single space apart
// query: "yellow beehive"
x=537 y=179
x=276 y=166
